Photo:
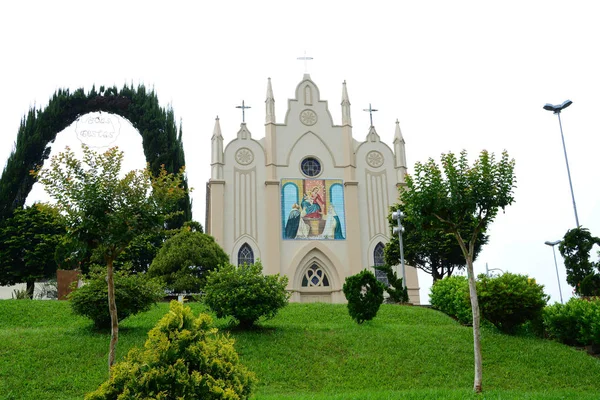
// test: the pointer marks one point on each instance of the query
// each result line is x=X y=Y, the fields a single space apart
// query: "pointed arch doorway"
x=315 y=286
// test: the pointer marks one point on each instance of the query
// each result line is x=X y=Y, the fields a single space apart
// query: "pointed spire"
x=398 y=135
x=217 y=152
x=346 y=118
x=217 y=130
x=399 y=155
x=270 y=105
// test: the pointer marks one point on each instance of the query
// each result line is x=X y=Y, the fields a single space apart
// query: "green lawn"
x=309 y=351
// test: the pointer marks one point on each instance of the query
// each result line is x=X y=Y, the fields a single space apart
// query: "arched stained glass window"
x=245 y=255
x=378 y=261
x=315 y=276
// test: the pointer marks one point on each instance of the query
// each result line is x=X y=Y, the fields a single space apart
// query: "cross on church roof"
x=370 y=110
x=243 y=107
x=306 y=59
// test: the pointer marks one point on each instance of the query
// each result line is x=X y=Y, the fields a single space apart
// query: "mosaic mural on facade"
x=313 y=209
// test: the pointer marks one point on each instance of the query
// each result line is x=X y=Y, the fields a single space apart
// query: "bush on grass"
x=134 y=293
x=183 y=358
x=244 y=293
x=510 y=300
x=576 y=323
x=364 y=294
x=506 y=301
x=451 y=296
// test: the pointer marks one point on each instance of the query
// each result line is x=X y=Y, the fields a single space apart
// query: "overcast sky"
x=458 y=75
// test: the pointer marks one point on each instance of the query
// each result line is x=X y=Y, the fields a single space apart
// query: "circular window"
x=311 y=167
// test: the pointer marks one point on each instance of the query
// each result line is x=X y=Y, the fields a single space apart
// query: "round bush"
x=183 y=358
x=244 y=293
x=576 y=323
x=364 y=294
x=133 y=294
x=510 y=300
x=451 y=296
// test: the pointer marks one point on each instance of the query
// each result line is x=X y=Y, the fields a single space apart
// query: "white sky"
x=458 y=75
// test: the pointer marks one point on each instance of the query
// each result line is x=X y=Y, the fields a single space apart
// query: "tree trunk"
x=114 y=320
x=30 y=288
x=476 y=332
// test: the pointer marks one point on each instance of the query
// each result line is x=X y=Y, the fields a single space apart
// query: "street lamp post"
x=399 y=216
x=557 y=109
x=556 y=265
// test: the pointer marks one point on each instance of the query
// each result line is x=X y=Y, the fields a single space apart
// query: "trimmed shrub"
x=244 y=293
x=364 y=294
x=451 y=296
x=510 y=300
x=133 y=294
x=183 y=358
x=575 y=323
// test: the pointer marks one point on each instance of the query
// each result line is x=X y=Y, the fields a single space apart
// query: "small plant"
x=134 y=293
x=451 y=296
x=576 y=323
x=244 y=293
x=364 y=294
x=20 y=294
x=510 y=300
x=582 y=273
x=396 y=290
x=183 y=358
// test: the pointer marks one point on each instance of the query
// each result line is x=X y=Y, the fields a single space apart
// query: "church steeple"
x=270 y=105
x=400 y=154
x=217 y=152
x=346 y=118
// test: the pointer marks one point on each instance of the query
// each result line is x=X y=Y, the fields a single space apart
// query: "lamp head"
x=559 y=107
x=549 y=243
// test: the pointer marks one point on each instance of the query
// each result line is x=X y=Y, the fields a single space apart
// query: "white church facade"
x=307 y=200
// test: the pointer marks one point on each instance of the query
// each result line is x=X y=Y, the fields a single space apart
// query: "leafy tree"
x=185 y=259
x=582 y=273
x=28 y=240
x=244 y=293
x=431 y=250
x=105 y=211
x=461 y=200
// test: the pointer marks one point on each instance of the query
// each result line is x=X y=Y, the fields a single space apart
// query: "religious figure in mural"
x=333 y=226
x=313 y=203
x=310 y=209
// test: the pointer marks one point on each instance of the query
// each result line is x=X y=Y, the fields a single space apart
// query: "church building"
x=307 y=200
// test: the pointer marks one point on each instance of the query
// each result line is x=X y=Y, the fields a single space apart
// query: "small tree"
x=364 y=294
x=184 y=260
x=105 y=211
x=244 y=293
x=582 y=273
x=433 y=250
x=461 y=200
x=27 y=243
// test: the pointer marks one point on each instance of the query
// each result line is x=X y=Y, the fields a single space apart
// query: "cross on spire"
x=306 y=59
x=370 y=110
x=243 y=107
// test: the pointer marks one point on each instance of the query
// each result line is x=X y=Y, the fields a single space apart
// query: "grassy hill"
x=310 y=351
